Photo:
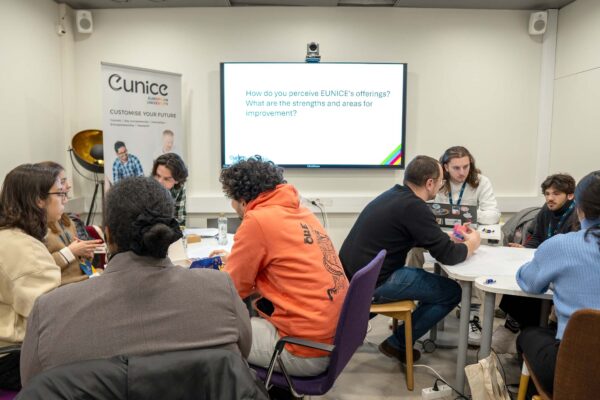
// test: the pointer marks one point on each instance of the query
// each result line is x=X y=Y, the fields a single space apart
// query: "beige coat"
x=26 y=271
x=70 y=270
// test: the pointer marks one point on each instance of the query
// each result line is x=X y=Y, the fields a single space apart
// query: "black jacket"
x=547 y=218
x=397 y=220
x=182 y=375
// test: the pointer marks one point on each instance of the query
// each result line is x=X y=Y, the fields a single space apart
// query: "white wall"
x=31 y=102
x=473 y=80
x=576 y=115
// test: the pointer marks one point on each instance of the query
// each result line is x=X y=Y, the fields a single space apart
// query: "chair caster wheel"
x=429 y=346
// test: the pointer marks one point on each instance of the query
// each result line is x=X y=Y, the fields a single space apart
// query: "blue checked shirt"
x=133 y=167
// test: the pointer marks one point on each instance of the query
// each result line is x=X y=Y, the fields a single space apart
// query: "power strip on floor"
x=442 y=392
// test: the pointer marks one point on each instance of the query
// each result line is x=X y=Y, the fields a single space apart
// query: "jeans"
x=437 y=296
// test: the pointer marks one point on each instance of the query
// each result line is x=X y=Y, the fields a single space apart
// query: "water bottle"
x=222 y=223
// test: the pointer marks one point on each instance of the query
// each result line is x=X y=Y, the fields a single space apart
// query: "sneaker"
x=474 y=332
x=504 y=341
x=386 y=348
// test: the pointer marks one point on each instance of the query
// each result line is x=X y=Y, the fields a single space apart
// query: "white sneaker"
x=474 y=332
x=504 y=341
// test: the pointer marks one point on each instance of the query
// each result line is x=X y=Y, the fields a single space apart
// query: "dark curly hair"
x=587 y=198
x=21 y=190
x=561 y=182
x=459 y=152
x=247 y=179
x=175 y=164
x=139 y=214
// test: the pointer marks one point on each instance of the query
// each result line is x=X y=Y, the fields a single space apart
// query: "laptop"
x=448 y=215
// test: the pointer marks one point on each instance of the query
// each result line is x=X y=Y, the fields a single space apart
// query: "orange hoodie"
x=282 y=252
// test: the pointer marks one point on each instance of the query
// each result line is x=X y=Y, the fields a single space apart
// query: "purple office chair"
x=9 y=394
x=350 y=334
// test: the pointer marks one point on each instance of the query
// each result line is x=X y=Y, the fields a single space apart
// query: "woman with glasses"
x=29 y=200
x=71 y=253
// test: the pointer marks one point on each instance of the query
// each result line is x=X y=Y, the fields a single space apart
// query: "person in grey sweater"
x=142 y=304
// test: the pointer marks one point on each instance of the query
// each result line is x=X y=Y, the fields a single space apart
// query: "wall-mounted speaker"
x=538 y=21
x=83 y=21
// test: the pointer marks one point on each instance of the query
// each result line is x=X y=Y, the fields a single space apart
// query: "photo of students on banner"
x=126 y=165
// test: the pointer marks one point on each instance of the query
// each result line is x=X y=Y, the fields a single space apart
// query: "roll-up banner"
x=141 y=119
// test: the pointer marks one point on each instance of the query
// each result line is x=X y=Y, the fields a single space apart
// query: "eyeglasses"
x=61 y=194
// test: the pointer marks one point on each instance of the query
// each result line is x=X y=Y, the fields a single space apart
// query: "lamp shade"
x=87 y=147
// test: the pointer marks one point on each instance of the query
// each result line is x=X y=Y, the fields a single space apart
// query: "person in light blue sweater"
x=569 y=264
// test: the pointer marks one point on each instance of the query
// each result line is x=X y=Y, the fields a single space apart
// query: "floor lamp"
x=86 y=147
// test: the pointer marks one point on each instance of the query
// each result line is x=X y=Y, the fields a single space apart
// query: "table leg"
x=440 y=325
x=488 y=323
x=463 y=333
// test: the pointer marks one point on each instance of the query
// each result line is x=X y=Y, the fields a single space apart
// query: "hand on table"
x=516 y=245
x=222 y=253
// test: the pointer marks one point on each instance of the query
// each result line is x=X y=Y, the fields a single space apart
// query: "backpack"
x=520 y=226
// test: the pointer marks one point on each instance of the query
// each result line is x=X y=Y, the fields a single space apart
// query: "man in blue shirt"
x=126 y=164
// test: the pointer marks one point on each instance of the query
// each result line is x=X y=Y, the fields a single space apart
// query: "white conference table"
x=487 y=261
x=503 y=284
x=491 y=234
x=182 y=254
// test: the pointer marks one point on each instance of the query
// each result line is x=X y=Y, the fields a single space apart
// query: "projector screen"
x=314 y=115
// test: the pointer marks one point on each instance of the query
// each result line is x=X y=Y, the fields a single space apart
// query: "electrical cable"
x=440 y=378
x=323 y=214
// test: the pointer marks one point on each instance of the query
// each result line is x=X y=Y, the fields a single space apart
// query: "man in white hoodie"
x=466 y=186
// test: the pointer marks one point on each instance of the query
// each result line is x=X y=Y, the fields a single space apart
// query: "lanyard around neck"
x=460 y=194
x=66 y=236
x=560 y=221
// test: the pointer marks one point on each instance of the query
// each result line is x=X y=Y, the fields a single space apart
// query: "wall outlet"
x=443 y=392
x=322 y=202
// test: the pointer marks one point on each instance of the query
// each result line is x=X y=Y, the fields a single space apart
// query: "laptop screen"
x=448 y=215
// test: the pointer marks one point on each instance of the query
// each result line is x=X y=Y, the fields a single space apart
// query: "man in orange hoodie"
x=284 y=254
